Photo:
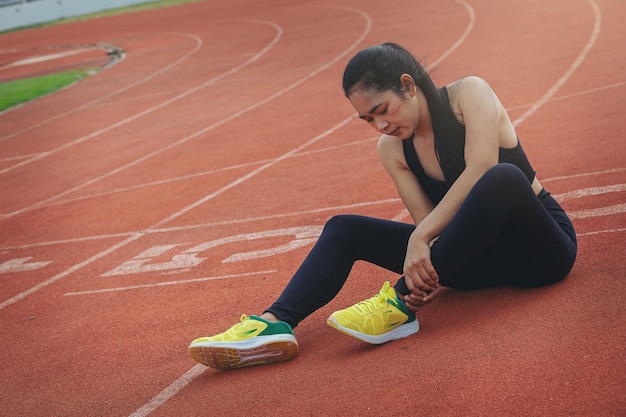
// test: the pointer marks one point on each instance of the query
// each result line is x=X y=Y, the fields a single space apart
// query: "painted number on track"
x=21 y=264
x=189 y=258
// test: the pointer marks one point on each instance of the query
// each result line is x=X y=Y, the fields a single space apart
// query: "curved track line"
x=113 y=93
x=468 y=29
x=268 y=217
x=138 y=235
x=211 y=224
x=145 y=112
x=254 y=58
x=572 y=95
x=555 y=87
x=462 y=38
x=180 y=383
x=209 y=128
x=200 y=174
x=404 y=214
x=577 y=63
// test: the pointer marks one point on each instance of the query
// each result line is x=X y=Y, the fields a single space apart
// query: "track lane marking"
x=113 y=93
x=169 y=283
x=233 y=184
x=570 y=71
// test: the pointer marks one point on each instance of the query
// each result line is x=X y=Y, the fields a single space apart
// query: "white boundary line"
x=395 y=200
x=165 y=103
x=113 y=93
x=199 y=174
x=43 y=58
x=184 y=380
x=227 y=187
x=566 y=76
x=171 y=390
x=168 y=283
x=204 y=225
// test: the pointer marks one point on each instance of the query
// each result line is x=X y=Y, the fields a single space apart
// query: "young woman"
x=481 y=216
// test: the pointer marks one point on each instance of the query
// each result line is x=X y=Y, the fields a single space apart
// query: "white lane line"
x=203 y=173
x=165 y=103
x=196 y=48
x=585 y=174
x=18 y=157
x=171 y=390
x=598 y=232
x=149 y=110
x=332 y=209
x=168 y=283
x=572 y=95
x=464 y=35
x=598 y=212
x=49 y=57
x=184 y=210
x=69 y=271
x=233 y=167
x=566 y=76
x=586 y=192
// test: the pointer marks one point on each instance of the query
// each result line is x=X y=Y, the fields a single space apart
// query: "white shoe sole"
x=399 y=332
x=259 y=350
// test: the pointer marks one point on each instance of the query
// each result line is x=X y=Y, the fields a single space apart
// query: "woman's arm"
x=411 y=193
x=481 y=113
x=484 y=119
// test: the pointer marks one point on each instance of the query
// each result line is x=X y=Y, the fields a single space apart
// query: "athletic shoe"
x=253 y=341
x=380 y=319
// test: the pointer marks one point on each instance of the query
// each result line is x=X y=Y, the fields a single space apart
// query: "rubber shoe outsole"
x=225 y=355
x=399 y=332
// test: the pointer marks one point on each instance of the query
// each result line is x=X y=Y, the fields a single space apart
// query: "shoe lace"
x=374 y=303
x=233 y=330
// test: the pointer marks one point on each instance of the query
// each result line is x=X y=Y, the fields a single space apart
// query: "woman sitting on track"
x=481 y=216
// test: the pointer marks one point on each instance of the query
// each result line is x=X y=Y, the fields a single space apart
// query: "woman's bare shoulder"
x=390 y=151
x=466 y=86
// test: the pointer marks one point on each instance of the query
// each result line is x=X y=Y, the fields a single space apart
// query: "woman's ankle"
x=269 y=317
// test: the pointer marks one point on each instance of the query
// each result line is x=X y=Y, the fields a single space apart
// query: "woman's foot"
x=253 y=341
x=377 y=320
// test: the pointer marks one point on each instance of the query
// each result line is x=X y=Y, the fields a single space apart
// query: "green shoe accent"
x=253 y=341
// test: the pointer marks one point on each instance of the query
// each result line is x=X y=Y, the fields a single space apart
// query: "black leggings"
x=503 y=235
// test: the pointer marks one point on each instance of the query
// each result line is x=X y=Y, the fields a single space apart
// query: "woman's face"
x=388 y=112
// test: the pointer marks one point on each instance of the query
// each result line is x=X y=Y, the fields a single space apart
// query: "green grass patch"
x=17 y=92
x=13 y=93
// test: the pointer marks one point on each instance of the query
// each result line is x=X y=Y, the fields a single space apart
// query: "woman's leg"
x=505 y=235
x=344 y=240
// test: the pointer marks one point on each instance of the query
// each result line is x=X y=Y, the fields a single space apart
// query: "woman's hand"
x=414 y=302
x=419 y=272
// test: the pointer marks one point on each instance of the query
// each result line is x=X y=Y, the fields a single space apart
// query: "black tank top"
x=436 y=189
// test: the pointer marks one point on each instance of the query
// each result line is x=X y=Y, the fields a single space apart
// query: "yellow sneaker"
x=253 y=341
x=377 y=320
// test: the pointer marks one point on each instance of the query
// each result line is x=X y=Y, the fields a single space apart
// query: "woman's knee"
x=505 y=174
x=343 y=224
x=501 y=180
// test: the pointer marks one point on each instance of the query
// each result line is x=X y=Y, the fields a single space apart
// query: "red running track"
x=158 y=200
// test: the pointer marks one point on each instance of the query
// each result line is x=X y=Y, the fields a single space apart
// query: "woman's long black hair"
x=379 y=68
